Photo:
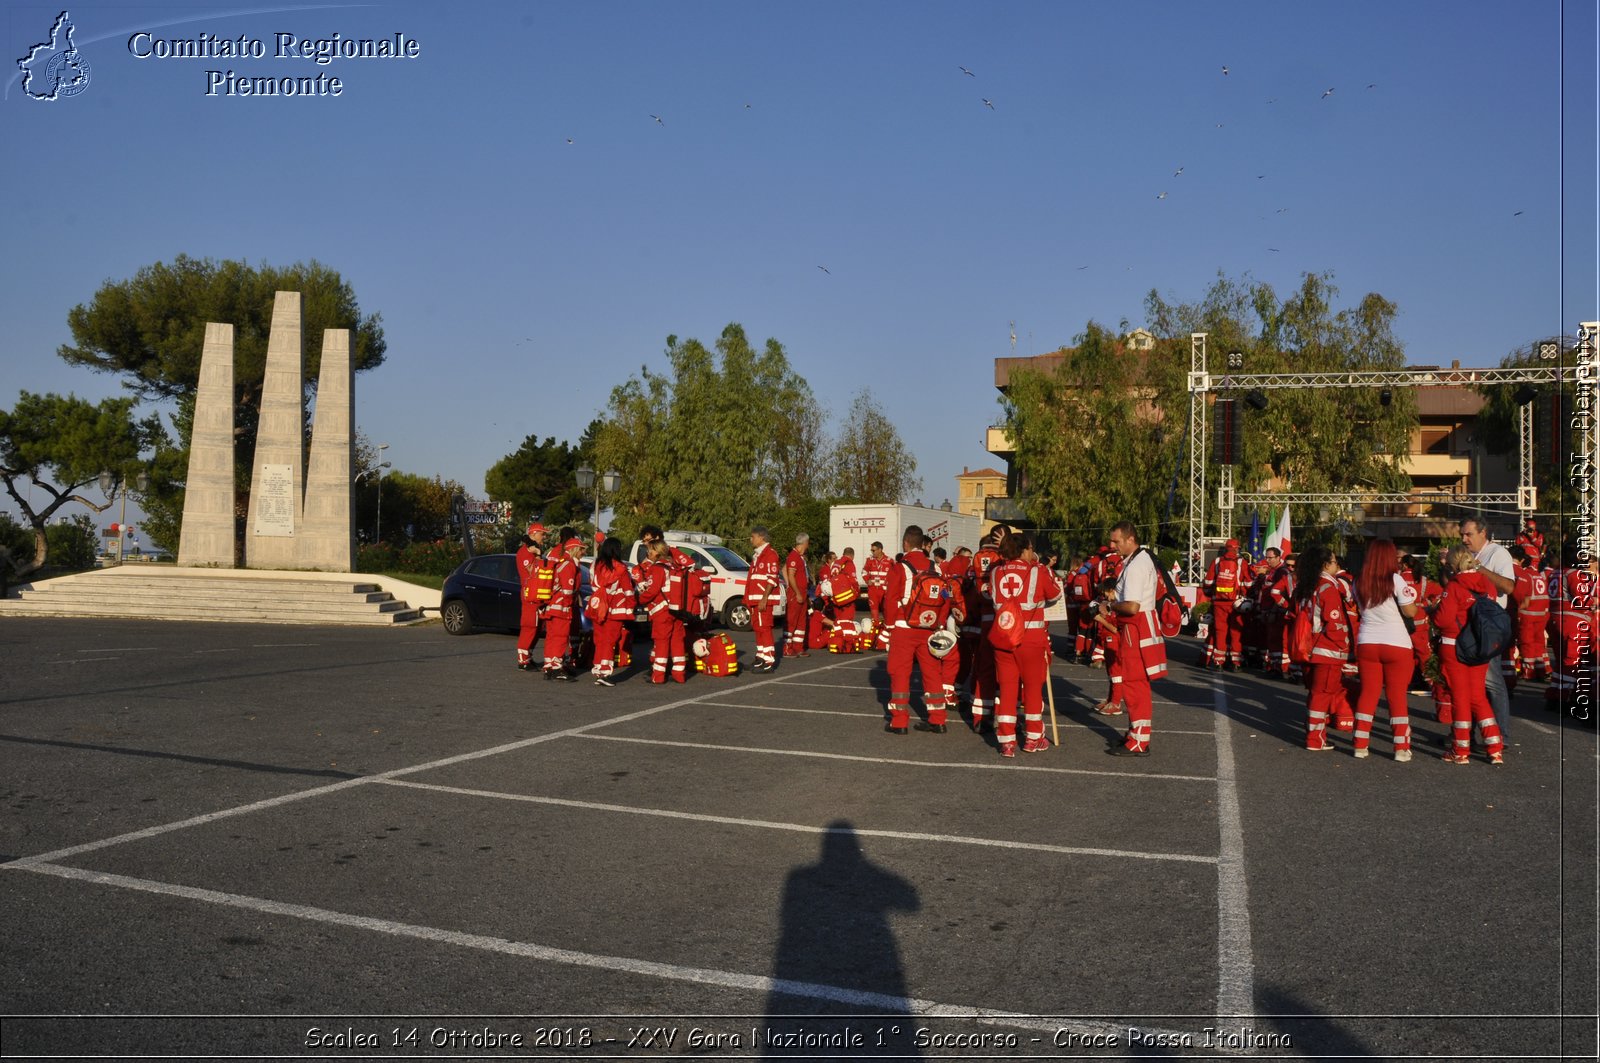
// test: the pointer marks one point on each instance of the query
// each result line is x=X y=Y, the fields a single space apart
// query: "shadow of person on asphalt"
x=837 y=972
x=1312 y=1032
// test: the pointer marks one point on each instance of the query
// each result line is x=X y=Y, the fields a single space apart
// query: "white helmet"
x=941 y=642
x=701 y=648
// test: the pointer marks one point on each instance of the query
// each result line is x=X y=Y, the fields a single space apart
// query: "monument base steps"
x=224 y=595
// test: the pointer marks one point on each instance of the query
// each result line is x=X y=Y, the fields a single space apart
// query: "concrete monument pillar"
x=276 y=472
x=208 y=523
x=327 y=539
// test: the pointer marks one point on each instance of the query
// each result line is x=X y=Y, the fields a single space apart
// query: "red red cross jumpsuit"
x=760 y=597
x=1141 y=650
x=558 y=615
x=666 y=631
x=1468 y=695
x=1223 y=585
x=875 y=572
x=979 y=619
x=797 y=603
x=614 y=587
x=1280 y=594
x=528 y=561
x=1333 y=623
x=1021 y=672
x=844 y=575
x=1531 y=592
x=908 y=646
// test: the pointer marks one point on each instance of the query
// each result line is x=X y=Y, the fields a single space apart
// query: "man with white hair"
x=1494 y=564
x=796 y=585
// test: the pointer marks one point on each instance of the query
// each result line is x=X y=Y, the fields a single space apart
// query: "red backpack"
x=688 y=592
x=1302 y=635
x=930 y=598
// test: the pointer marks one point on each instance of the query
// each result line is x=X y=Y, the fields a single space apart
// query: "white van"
x=728 y=572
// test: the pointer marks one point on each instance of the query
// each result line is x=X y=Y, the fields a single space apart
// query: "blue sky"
x=521 y=277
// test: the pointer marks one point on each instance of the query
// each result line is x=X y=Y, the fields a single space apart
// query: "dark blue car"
x=483 y=593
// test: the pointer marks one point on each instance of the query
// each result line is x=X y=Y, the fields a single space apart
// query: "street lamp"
x=108 y=484
x=377 y=532
x=587 y=479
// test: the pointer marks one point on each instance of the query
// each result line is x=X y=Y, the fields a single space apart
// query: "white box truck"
x=862 y=525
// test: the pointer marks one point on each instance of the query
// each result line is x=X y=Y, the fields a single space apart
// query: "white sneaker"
x=602 y=681
x=1402 y=756
x=1359 y=754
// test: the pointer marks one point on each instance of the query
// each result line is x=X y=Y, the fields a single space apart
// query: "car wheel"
x=735 y=616
x=457 y=621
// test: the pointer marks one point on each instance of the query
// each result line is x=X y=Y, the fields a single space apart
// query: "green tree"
x=1091 y=440
x=711 y=443
x=150 y=329
x=62 y=445
x=871 y=463
x=1312 y=439
x=537 y=479
x=416 y=508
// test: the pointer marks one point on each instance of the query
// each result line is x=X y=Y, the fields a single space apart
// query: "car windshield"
x=727 y=558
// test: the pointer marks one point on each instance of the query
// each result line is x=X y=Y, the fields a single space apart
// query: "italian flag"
x=1278 y=534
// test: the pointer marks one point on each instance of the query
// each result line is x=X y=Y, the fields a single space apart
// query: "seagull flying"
x=1373 y=85
x=1224 y=71
x=1083 y=267
x=1325 y=95
x=658 y=119
x=1515 y=213
x=1178 y=171
x=825 y=270
x=1281 y=210
x=967 y=72
x=1274 y=249
x=989 y=104
x=1161 y=195
x=569 y=140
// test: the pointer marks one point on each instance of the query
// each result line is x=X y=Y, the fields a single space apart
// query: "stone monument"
x=300 y=517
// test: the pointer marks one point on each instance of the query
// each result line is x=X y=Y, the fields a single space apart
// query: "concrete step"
x=240 y=615
x=209 y=595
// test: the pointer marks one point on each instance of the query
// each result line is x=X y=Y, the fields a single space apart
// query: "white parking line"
x=806 y=828
x=1235 y=965
x=24 y=863
x=997 y=765
x=749 y=983
x=875 y=714
x=838 y=686
x=120 y=649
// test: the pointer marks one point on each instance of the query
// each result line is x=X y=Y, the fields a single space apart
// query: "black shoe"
x=524 y=666
x=761 y=666
x=564 y=677
x=1229 y=667
x=933 y=728
x=896 y=730
x=549 y=676
x=1121 y=750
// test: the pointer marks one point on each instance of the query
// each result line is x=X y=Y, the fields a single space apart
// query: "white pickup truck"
x=728 y=571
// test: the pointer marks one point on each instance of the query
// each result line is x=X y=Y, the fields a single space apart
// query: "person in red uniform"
x=1574 y=598
x=1223 y=585
x=1333 y=626
x=614 y=588
x=875 y=572
x=1280 y=596
x=761 y=596
x=797 y=601
x=1254 y=607
x=1531 y=593
x=1530 y=541
x=650 y=578
x=1019 y=586
x=1468 y=690
x=1101 y=616
x=1081 y=589
x=1141 y=651
x=561 y=609
x=910 y=622
x=979 y=617
x=530 y=558
x=846 y=578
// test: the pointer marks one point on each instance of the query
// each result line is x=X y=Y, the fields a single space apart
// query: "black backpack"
x=1486 y=634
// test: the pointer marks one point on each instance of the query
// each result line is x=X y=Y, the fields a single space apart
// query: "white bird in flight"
x=967 y=72
x=1325 y=95
x=1178 y=171
x=989 y=104
x=658 y=119
x=1224 y=71
x=1161 y=195
x=826 y=270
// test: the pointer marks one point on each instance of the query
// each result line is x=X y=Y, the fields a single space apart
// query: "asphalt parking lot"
x=266 y=841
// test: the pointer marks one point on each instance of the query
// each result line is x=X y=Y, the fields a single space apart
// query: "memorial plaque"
x=275 y=501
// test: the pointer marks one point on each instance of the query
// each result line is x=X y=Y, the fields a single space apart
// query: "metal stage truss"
x=1202 y=383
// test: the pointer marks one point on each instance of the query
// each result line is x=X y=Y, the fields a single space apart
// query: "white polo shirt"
x=1497 y=559
x=1139 y=582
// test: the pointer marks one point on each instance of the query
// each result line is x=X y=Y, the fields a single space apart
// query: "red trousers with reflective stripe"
x=557 y=640
x=1470 y=702
x=908 y=646
x=794 y=622
x=761 y=624
x=1021 y=675
x=1227 y=634
x=528 y=632
x=1324 y=685
x=1385 y=670
x=666 y=650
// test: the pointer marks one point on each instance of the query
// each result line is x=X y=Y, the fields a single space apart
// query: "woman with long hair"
x=1333 y=626
x=613 y=587
x=1383 y=647
x=1469 y=695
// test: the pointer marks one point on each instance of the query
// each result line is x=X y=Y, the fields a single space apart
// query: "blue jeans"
x=1499 y=698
